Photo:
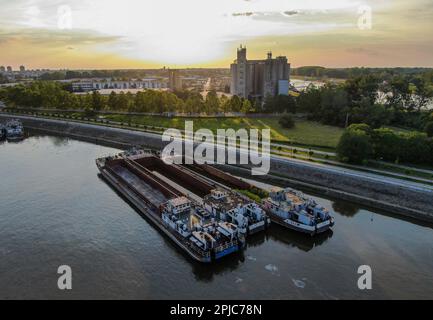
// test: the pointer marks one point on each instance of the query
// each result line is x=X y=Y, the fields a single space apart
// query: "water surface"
x=55 y=210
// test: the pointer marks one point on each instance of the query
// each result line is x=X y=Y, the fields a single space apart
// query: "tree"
x=354 y=147
x=246 y=106
x=212 y=103
x=309 y=101
x=429 y=129
x=286 y=121
x=97 y=101
x=235 y=104
x=386 y=144
x=112 y=101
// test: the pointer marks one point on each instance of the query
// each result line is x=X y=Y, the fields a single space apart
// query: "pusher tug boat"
x=292 y=210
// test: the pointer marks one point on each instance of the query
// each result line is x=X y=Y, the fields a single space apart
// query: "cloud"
x=192 y=32
x=362 y=51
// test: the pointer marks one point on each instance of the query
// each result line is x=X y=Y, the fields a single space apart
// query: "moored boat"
x=229 y=206
x=183 y=220
x=292 y=210
x=14 y=130
x=206 y=236
x=2 y=132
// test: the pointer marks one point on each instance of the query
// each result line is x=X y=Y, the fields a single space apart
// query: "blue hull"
x=225 y=252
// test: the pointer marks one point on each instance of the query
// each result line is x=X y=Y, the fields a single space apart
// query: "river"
x=55 y=210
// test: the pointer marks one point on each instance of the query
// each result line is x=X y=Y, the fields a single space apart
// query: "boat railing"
x=226 y=246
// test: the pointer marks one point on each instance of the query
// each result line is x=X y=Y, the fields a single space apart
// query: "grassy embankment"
x=305 y=133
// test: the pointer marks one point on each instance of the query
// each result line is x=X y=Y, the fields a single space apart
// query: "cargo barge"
x=221 y=202
x=184 y=221
x=285 y=207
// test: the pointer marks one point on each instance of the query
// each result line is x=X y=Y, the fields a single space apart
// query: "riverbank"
x=394 y=195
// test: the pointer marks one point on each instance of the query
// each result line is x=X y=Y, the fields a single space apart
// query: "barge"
x=292 y=210
x=219 y=200
x=184 y=221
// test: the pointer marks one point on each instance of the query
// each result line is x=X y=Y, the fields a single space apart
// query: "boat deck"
x=153 y=194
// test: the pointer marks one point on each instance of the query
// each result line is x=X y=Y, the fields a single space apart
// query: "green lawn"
x=305 y=132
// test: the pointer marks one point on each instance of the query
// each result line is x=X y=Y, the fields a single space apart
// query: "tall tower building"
x=174 y=80
x=9 y=69
x=22 y=68
x=259 y=78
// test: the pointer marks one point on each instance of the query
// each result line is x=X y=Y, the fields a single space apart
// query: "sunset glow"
x=137 y=33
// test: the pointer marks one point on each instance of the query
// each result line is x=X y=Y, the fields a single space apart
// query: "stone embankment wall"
x=403 y=198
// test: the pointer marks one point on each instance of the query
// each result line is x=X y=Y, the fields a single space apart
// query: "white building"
x=90 y=85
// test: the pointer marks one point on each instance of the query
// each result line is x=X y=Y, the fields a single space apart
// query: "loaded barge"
x=183 y=220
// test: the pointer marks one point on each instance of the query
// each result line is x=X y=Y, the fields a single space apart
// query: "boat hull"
x=147 y=212
x=299 y=227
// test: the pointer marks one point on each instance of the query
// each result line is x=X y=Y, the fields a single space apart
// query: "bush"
x=354 y=147
x=287 y=121
x=89 y=113
x=429 y=129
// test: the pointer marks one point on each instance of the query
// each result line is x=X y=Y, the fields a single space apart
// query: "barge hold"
x=221 y=202
x=184 y=221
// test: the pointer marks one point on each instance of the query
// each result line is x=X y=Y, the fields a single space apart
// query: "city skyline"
x=89 y=34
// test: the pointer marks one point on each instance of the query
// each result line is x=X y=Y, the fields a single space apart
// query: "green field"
x=304 y=133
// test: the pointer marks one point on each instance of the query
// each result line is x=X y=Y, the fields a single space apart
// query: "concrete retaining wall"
x=400 y=197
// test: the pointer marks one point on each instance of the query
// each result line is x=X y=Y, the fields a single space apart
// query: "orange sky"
x=87 y=34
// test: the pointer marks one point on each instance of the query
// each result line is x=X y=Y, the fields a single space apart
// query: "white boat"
x=203 y=234
x=292 y=210
x=231 y=207
x=14 y=130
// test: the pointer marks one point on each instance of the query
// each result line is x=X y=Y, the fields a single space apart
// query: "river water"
x=55 y=210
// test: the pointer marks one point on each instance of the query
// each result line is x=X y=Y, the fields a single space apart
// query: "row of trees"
x=360 y=142
x=71 y=74
x=401 y=101
x=348 y=73
x=53 y=95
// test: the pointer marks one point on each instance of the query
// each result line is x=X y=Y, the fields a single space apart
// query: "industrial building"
x=257 y=79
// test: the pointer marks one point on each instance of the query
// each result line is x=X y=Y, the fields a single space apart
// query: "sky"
x=108 y=34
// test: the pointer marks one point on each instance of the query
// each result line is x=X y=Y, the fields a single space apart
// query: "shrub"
x=354 y=147
x=429 y=129
x=286 y=121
